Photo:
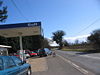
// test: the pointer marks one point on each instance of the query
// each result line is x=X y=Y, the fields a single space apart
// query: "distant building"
x=54 y=44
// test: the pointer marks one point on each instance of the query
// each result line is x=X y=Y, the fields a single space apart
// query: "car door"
x=10 y=68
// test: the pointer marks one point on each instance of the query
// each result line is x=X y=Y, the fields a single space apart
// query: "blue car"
x=48 y=51
x=12 y=65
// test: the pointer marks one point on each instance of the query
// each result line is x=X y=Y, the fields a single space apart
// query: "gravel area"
x=38 y=64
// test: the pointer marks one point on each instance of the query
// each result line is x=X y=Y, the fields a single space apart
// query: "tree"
x=3 y=41
x=46 y=43
x=65 y=43
x=14 y=42
x=3 y=12
x=94 y=39
x=58 y=37
x=3 y=17
x=76 y=42
x=29 y=42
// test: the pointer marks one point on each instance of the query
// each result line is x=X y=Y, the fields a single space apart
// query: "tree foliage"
x=32 y=42
x=14 y=42
x=3 y=40
x=29 y=42
x=46 y=43
x=3 y=17
x=76 y=42
x=65 y=43
x=94 y=39
x=3 y=12
x=58 y=37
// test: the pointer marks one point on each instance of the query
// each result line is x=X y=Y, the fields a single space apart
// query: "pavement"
x=55 y=66
x=38 y=64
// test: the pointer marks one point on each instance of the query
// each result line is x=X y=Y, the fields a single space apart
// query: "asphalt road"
x=58 y=66
x=71 y=63
x=89 y=62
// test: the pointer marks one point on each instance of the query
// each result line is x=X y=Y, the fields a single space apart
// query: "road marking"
x=85 y=72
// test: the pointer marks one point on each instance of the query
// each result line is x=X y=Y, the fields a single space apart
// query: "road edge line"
x=76 y=66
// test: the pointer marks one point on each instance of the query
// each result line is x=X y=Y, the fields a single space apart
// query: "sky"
x=77 y=18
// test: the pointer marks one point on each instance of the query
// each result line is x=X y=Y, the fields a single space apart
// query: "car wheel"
x=29 y=72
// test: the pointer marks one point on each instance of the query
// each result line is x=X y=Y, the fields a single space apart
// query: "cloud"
x=54 y=44
x=70 y=39
x=80 y=38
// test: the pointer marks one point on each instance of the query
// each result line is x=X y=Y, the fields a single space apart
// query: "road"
x=59 y=65
x=67 y=63
x=90 y=62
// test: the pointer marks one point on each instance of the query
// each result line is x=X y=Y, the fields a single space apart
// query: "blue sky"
x=71 y=16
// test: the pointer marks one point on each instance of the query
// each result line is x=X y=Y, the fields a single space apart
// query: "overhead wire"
x=29 y=6
x=18 y=10
x=97 y=20
x=76 y=33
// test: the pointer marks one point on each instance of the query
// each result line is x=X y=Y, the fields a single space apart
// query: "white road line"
x=85 y=72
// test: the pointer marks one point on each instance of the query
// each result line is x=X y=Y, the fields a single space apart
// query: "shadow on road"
x=88 y=52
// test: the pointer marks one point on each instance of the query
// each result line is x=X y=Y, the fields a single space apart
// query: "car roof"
x=4 y=57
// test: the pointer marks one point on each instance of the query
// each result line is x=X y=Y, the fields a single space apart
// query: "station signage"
x=26 y=29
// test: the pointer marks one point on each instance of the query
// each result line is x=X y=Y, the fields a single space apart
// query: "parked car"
x=26 y=53
x=32 y=53
x=16 y=54
x=48 y=51
x=41 y=53
x=12 y=65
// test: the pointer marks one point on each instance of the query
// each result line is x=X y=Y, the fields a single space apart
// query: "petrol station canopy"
x=4 y=46
x=20 y=29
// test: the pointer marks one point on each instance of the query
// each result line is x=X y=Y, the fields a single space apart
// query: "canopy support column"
x=20 y=41
x=21 y=47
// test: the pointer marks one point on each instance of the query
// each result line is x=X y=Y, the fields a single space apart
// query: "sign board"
x=23 y=29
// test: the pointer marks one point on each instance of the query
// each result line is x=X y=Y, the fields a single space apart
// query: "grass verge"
x=79 y=50
x=82 y=50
